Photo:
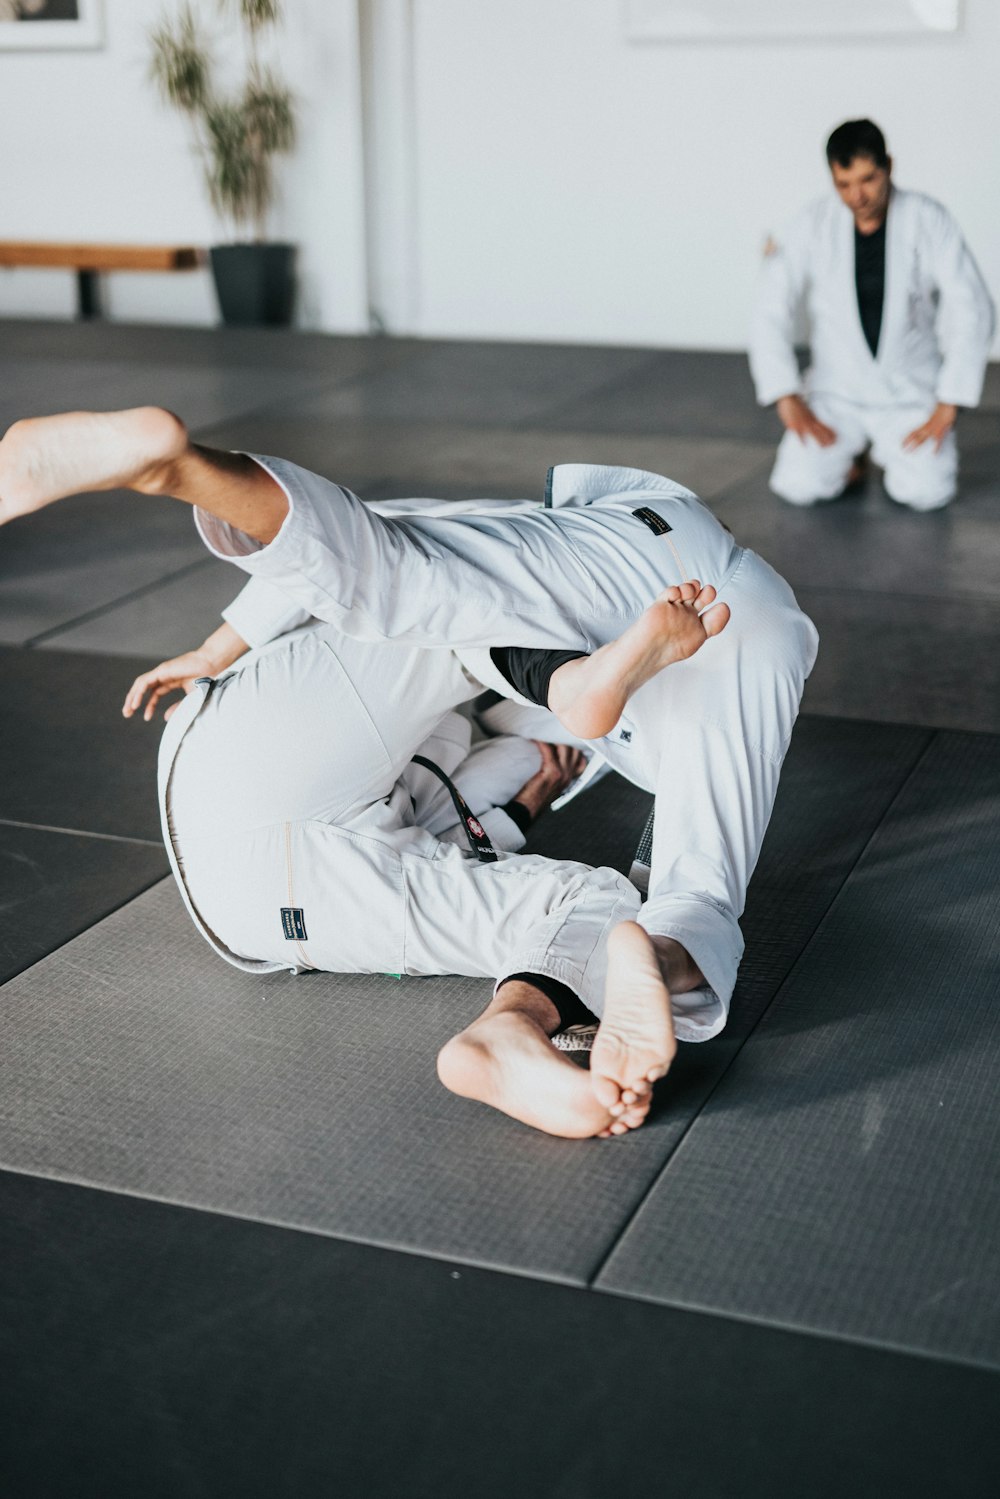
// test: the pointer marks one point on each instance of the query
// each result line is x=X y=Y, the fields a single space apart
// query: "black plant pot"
x=255 y=284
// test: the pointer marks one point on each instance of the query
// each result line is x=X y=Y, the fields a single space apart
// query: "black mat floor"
x=178 y=1355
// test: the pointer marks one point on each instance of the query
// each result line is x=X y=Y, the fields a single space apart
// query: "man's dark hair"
x=857 y=138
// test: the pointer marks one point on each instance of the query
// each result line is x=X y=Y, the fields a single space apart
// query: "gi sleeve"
x=966 y=316
x=780 y=290
x=261 y=612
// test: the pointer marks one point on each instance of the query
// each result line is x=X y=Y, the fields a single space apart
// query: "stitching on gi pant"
x=291 y=899
x=775 y=757
x=677 y=558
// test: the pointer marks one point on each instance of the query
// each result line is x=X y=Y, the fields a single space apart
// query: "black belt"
x=475 y=832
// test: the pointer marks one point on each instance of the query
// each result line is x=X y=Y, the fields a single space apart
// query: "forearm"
x=223 y=647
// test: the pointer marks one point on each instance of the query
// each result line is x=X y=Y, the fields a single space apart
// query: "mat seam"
x=157 y=879
x=47 y=827
x=102 y=609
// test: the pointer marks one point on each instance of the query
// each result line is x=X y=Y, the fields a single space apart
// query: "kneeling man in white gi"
x=900 y=328
x=680 y=654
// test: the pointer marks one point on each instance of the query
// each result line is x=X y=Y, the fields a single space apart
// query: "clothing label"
x=293 y=923
x=655 y=522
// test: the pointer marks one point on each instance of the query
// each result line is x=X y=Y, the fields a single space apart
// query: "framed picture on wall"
x=27 y=25
x=761 y=20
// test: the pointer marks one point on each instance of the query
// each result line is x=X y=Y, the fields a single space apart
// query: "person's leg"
x=296 y=846
x=718 y=729
x=924 y=478
x=148 y=450
x=308 y=733
x=805 y=473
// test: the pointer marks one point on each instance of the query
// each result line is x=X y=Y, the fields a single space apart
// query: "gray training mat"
x=66 y=748
x=57 y=567
x=165 y=619
x=54 y=885
x=838 y=1180
x=144 y=1064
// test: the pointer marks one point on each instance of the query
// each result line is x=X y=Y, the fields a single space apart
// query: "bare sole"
x=508 y=1062
x=589 y=695
x=47 y=458
x=635 y=1043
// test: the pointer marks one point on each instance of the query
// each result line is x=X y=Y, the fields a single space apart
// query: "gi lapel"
x=894 y=306
x=849 y=292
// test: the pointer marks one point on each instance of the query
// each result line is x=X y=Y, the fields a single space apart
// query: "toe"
x=634 y=1118
x=716 y=619
x=606 y=1090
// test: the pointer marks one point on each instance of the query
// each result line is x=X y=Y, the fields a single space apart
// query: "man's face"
x=864 y=187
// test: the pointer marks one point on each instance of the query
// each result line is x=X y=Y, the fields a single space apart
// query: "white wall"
x=89 y=153
x=573 y=186
x=537 y=176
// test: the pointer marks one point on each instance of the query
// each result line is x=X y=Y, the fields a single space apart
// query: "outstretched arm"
x=220 y=650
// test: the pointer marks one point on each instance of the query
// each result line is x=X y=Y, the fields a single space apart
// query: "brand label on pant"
x=655 y=522
x=293 y=923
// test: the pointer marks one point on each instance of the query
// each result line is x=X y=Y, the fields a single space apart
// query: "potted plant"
x=237 y=136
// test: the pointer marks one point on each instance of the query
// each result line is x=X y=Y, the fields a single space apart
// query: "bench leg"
x=88 y=299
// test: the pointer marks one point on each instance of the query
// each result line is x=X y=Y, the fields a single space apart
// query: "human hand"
x=803 y=421
x=561 y=764
x=176 y=675
x=220 y=650
x=935 y=429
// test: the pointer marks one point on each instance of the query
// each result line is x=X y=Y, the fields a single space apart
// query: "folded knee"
x=919 y=496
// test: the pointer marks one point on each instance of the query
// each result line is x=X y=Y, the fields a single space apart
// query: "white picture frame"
x=772 y=20
x=41 y=34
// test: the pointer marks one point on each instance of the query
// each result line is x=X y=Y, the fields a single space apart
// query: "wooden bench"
x=90 y=260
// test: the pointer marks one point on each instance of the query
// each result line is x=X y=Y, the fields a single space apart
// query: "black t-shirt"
x=869 y=279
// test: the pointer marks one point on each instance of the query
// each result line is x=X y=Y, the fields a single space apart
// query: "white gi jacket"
x=937 y=318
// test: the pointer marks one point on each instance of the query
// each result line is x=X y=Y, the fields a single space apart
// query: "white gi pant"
x=301 y=836
x=924 y=478
x=707 y=735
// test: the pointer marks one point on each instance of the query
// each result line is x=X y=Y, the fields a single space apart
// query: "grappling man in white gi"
x=683 y=655
x=900 y=328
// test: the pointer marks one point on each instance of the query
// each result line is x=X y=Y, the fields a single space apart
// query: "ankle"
x=159 y=479
x=680 y=972
x=516 y=997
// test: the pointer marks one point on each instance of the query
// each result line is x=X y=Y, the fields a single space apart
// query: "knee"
x=924 y=479
x=799 y=479
x=794 y=494
x=919 y=496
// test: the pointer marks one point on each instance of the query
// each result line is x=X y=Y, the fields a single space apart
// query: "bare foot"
x=49 y=457
x=635 y=1043
x=508 y=1061
x=588 y=695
